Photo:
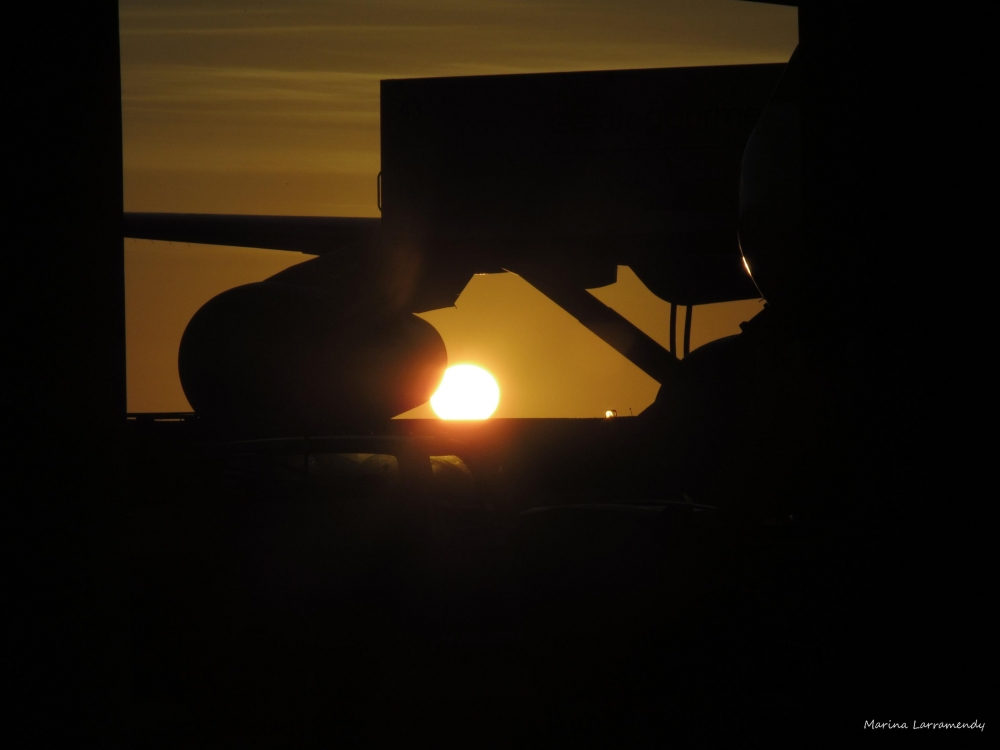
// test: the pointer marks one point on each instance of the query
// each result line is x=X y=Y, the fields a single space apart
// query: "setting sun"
x=467 y=392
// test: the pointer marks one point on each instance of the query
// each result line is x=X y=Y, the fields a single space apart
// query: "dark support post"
x=687 y=328
x=673 y=328
x=616 y=331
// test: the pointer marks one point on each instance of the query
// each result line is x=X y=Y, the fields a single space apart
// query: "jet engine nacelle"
x=771 y=223
x=298 y=360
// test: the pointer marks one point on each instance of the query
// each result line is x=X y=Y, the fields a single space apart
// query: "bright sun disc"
x=467 y=392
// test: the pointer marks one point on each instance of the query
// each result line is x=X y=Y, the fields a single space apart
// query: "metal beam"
x=616 y=331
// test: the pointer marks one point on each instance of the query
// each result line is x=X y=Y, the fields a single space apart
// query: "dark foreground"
x=549 y=585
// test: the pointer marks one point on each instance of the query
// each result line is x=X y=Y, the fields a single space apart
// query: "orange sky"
x=272 y=108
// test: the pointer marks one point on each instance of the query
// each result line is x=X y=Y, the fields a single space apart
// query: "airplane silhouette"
x=557 y=177
x=262 y=624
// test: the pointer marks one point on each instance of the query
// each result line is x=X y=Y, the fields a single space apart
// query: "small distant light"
x=610 y=414
x=746 y=266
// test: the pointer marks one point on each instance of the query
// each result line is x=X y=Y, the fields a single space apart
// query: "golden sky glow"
x=272 y=108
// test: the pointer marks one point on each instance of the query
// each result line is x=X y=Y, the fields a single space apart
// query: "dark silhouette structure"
x=767 y=548
x=64 y=377
x=558 y=177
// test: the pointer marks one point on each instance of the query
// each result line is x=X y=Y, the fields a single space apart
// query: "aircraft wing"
x=313 y=235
